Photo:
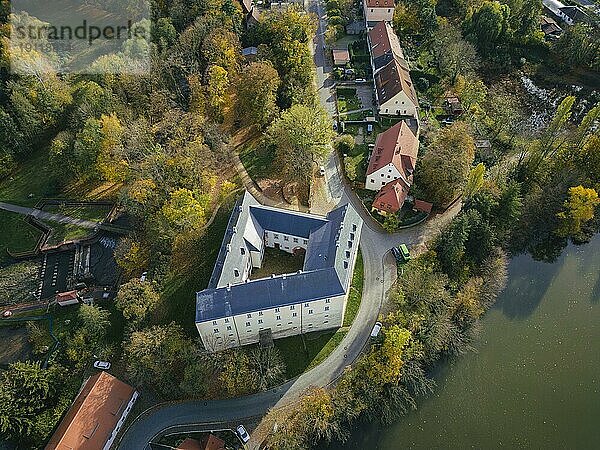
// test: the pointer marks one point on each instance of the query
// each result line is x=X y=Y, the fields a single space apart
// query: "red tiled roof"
x=382 y=40
x=341 y=56
x=421 y=205
x=391 y=197
x=393 y=79
x=211 y=442
x=64 y=296
x=397 y=145
x=380 y=3
x=94 y=414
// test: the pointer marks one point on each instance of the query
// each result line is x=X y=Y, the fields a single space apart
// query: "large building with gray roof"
x=235 y=310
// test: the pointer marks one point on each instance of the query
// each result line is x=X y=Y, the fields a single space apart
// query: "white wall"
x=381 y=177
x=399 y=104
x=286 y=242
x=378 y=14
x=243 y=329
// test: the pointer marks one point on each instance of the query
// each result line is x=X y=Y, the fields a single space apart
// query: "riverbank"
x=533 y=381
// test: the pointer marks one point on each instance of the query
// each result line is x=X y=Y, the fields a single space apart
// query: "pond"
x=534 y=381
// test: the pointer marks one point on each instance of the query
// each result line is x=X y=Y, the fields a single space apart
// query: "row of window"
x=216 y=330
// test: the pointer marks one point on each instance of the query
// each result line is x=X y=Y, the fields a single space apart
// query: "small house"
x=341 y=57
x=378 y=10
x=67 y=298
x=453 y=106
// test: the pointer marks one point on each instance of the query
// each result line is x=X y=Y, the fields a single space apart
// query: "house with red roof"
x=378 y=10
x=391 y=167
x=394 y=89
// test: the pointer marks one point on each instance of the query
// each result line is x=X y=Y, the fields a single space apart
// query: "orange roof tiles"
x=383 y=40
x=391 y=197
x=397 y=145
x=94 y=414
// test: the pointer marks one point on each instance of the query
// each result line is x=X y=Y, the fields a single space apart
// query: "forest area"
x=160 y=144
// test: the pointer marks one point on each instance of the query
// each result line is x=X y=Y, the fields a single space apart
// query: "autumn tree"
x=135 y=299
x=156 y=357
x=302 y=137
x=257 y=94
x=579 y=208
x=475 y=181
x=183 y=211
x=447 y=164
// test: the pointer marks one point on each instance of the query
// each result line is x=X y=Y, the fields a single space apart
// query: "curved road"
x=380 y=273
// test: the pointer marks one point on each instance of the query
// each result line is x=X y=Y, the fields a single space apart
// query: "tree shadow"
x=528 y=281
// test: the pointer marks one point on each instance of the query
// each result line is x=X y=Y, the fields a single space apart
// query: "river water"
x=534 y=381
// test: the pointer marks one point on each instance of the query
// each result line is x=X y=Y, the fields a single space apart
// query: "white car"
x=102 y=365
x=322 y=171
x=376 y=329
x=6 y=314
x=242 y=433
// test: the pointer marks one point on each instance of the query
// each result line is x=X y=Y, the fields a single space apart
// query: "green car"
x=404 y=252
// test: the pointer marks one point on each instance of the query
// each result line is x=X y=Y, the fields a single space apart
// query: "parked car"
x=102 y=365
x=360 y=80
x=322 y=171
x=143 y=277
x=404 y=251
x=448 y=121
x=370 y=128
x=397 y=254
x=6 y=314
x=242 y=433
x=376 y=329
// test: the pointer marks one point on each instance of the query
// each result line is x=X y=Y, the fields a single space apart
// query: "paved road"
x=43 y=215
x=380 y=273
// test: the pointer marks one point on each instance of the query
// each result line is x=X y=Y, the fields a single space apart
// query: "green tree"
x=391 y=223
x=447 y=163
x=136 y=299
x=26 y=390
x=455 y=56
x=488 y=28
x=579 y=46
x=302 y=137
x=257 y=94
x=156 y=357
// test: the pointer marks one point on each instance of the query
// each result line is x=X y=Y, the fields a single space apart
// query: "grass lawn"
x=16 y=235
x=178 y=301
x=63 y=232
x=258 y=160
x=347 y=99
x=278 y=262
x=356 y=289
x=31 y=177
x=95 y=213
x=298 y=352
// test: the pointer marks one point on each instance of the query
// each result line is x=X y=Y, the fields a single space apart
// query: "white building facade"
x=378 y=10
x=235 y=310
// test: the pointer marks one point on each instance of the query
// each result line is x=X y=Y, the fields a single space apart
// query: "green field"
x=258 y=160
x=16 y=236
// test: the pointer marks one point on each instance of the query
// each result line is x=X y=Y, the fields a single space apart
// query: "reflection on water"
x=534 y=381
